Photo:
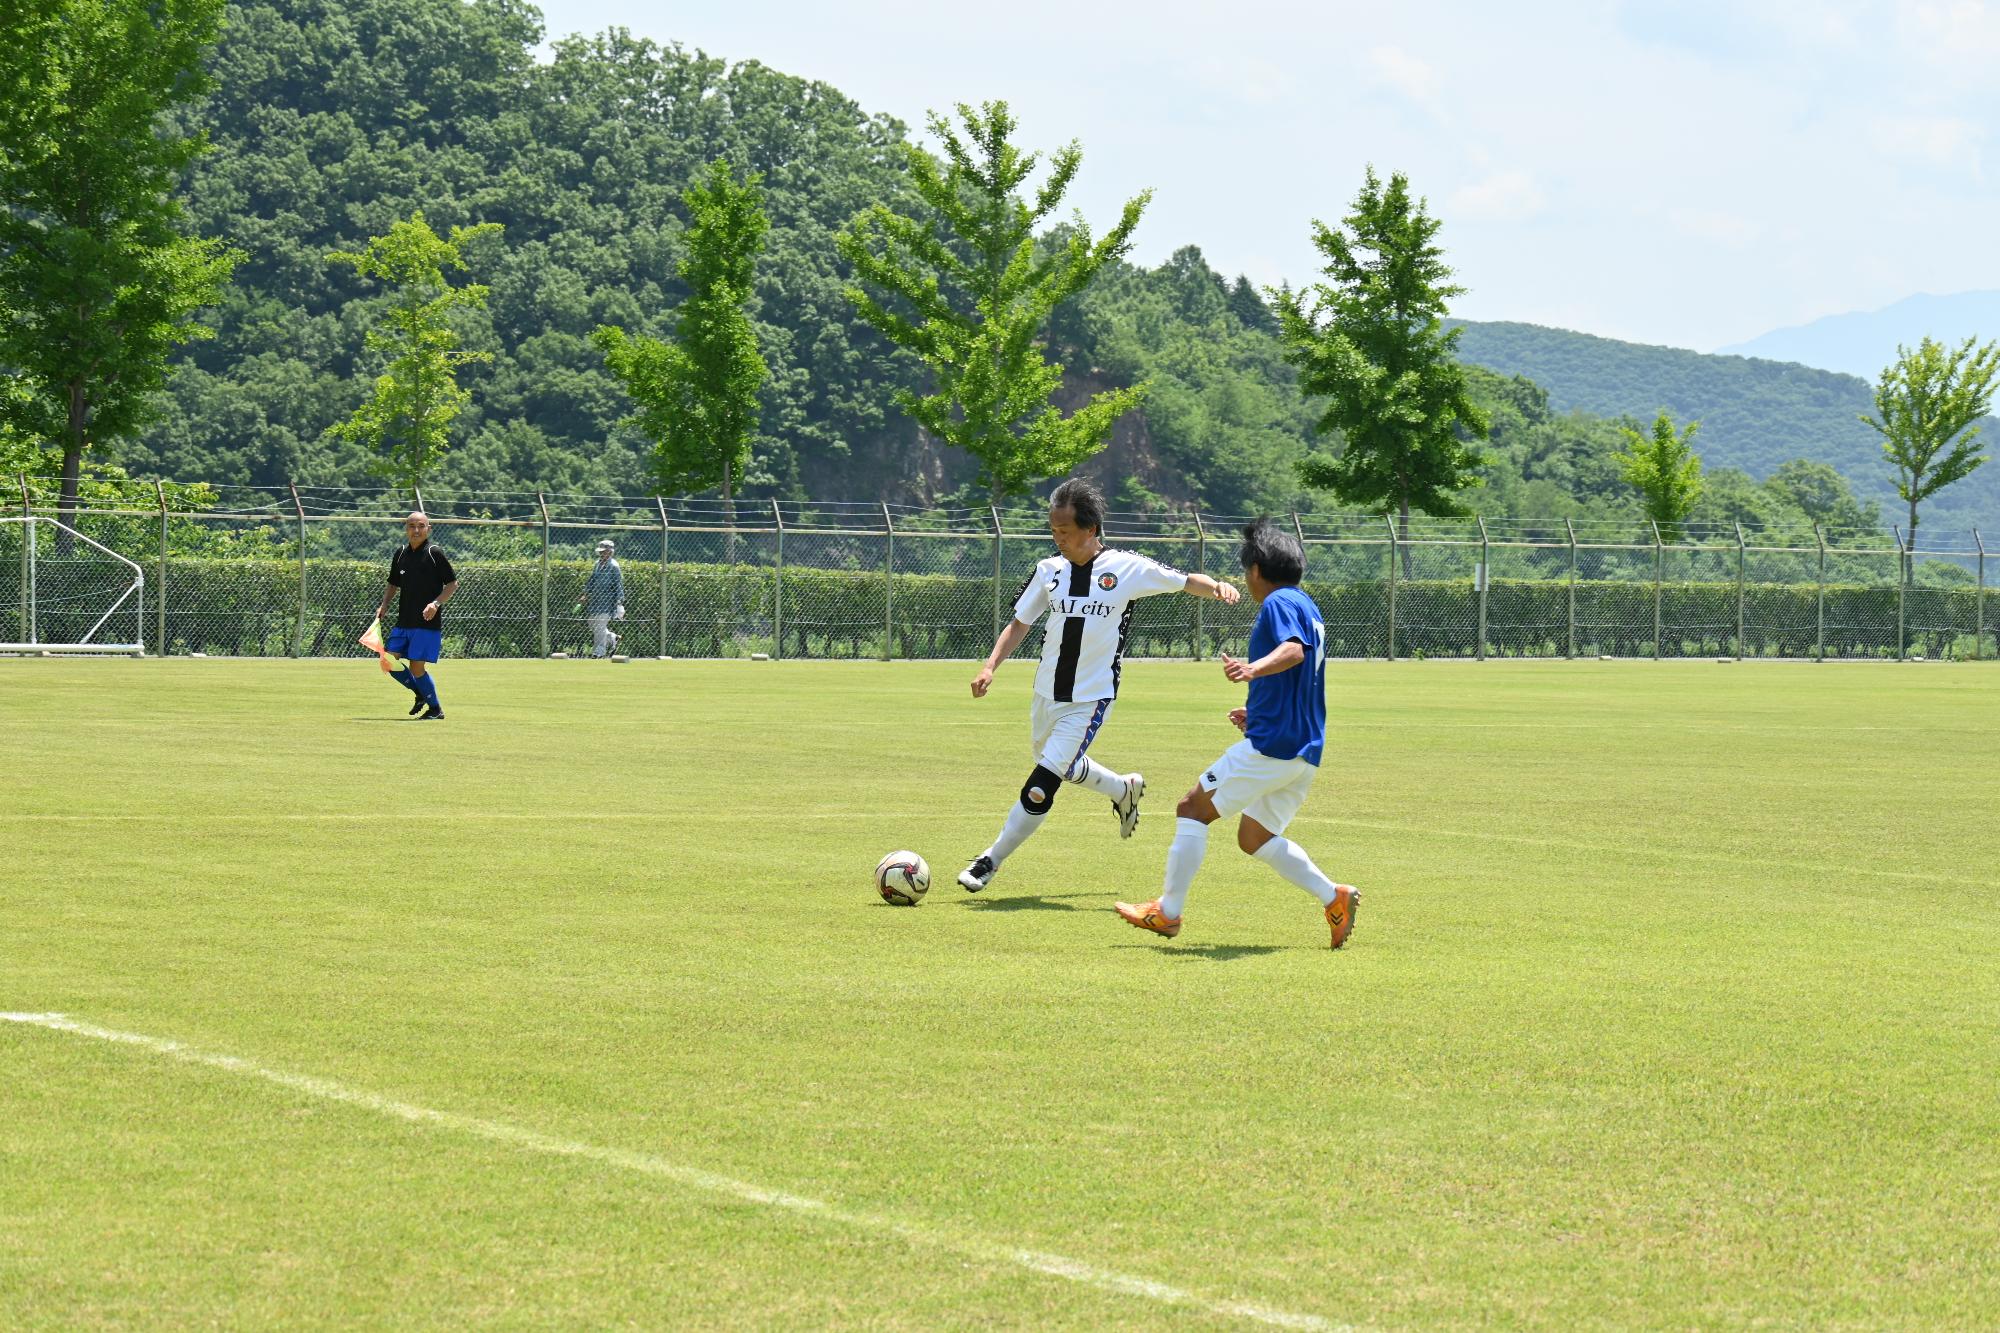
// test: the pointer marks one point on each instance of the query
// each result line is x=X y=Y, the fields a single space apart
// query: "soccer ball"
x=902 y=878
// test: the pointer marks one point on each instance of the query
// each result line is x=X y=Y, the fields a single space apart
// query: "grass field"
x=1675 y=1002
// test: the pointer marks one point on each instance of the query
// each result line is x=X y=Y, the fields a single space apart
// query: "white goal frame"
x=30 y=595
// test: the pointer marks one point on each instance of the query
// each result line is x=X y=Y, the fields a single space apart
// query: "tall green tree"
x=963 y=285
x=1926 y=404
x=1371 y=340
x=98 y=283
x=697 y=395
x=406 y=422
x=1666 y=470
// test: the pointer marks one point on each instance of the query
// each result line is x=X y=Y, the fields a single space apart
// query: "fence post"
x=1393 y=553
x=1570 y=528
x=27 y=561
x=778 y=591
x=299 y=638
x=888 y=583
x=160 y=600
x=1819 y=643
x=1906 y=560
x=1979 y=600
x=661 y=505
x=542 y=501
x=999 y=539
x=1739 y=591
x=1658 y=559
x=1201 y=566
x=1485 y=580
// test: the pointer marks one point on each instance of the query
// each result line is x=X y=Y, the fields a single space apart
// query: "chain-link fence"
x=297 y=572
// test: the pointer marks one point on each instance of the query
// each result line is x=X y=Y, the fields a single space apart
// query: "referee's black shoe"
x=419 y=706
x=432 y=715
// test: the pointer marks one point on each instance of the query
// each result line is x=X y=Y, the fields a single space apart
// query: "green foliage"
x=1371 y=340
x=1666 y=471
x=406 y=423
x=698 y=395
x=1927 y=408
x=973 y=301
x=1755 y=415
x=98 y=282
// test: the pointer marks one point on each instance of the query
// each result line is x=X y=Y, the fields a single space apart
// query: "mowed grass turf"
x=1674 y=1001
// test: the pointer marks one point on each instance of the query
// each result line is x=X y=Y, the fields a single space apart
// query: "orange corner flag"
x=372 y=641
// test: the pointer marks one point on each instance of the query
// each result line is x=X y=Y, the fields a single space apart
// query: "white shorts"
x=1063 y=732
x=1270 y=791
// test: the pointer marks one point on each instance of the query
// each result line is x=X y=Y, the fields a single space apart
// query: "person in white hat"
x=604 y=600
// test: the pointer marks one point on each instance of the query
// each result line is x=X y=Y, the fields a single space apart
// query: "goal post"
x=65 y=592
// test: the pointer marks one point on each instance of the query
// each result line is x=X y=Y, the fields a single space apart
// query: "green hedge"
x=250 y=607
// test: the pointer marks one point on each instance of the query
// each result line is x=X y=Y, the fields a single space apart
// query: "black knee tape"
x=1038 y=793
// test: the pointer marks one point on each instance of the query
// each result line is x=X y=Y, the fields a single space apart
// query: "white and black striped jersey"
x=1089 y=608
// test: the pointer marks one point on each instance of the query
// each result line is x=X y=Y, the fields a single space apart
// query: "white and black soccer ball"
x=902 y=878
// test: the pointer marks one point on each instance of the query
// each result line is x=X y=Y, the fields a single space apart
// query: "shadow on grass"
x=1214 y=953
x=1043 y=902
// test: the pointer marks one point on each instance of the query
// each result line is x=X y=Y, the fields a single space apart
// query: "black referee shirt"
x=421 y=572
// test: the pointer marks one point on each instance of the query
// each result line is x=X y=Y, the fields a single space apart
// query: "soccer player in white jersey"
x=1087 y=591
x=1265 y=776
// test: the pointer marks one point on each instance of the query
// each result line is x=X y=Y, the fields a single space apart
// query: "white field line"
x=515 y=1136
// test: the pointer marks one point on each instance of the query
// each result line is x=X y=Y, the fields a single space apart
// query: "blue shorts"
x=415 y=645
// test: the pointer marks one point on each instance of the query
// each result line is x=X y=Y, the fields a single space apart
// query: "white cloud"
x=1413 y=78
x=1504 y=196
x=1947 y=142
x=1716 y=228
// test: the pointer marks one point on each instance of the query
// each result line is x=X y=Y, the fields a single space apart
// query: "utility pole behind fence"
x=27 y=561
x=1659 y=559
x=1819 y=642
x=888 y=584
x=661 y=505
x=1739 y=592
x=1393 y=555
x=299 y=638
x=999 y=539
x=1485 y=581
x=1907 y=561
x=1979 y=600
x=1201 y=567
x=542 y=501
x=778 y=590
x=160 y=601
x=1570 y=528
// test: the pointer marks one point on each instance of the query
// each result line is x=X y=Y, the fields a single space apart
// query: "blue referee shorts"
x=415 y=645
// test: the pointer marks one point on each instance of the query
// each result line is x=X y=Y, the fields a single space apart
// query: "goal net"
x=61 y=592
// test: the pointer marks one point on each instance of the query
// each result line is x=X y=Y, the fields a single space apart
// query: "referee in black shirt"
x=426 y=580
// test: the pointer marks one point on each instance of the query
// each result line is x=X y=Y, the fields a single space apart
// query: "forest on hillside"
x=333 y=119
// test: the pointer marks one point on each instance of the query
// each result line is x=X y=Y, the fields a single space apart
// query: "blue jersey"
x=1288 y=711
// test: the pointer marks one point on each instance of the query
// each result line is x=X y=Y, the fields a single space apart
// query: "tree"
x=966 y=289
x=697 y=395
x=406 y=423
x=1666 y=471
x=1927 y=402
x=98 y=285
x=1818 y=491
x=1372 y=341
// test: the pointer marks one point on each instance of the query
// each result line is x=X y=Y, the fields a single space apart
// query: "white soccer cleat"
x=1126 y=807
x=978 y=875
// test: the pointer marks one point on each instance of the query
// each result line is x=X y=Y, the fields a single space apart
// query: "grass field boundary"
x=516 y=1136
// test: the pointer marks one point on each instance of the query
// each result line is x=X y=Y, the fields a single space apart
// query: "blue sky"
x=1691 y=173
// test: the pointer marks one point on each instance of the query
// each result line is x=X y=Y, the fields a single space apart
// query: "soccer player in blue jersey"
x=1265 y=776
x=423 y=580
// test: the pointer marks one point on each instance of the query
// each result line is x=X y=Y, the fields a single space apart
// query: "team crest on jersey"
x=1107 y=581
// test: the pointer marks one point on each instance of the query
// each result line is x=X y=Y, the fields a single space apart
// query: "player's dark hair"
x=1084 y=502
x=1275 y=553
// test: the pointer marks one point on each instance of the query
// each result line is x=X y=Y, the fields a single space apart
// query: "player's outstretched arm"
x=1201 y=585
x=1003 y=648
x=1282 y=658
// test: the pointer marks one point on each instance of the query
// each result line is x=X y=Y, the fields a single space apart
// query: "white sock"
x=1020 y=827
x=1100 y=779
x=1290 y=860
x=1183 y=860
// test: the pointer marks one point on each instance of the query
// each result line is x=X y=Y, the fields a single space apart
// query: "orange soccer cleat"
x=1340 y=912
x=1148 y=916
